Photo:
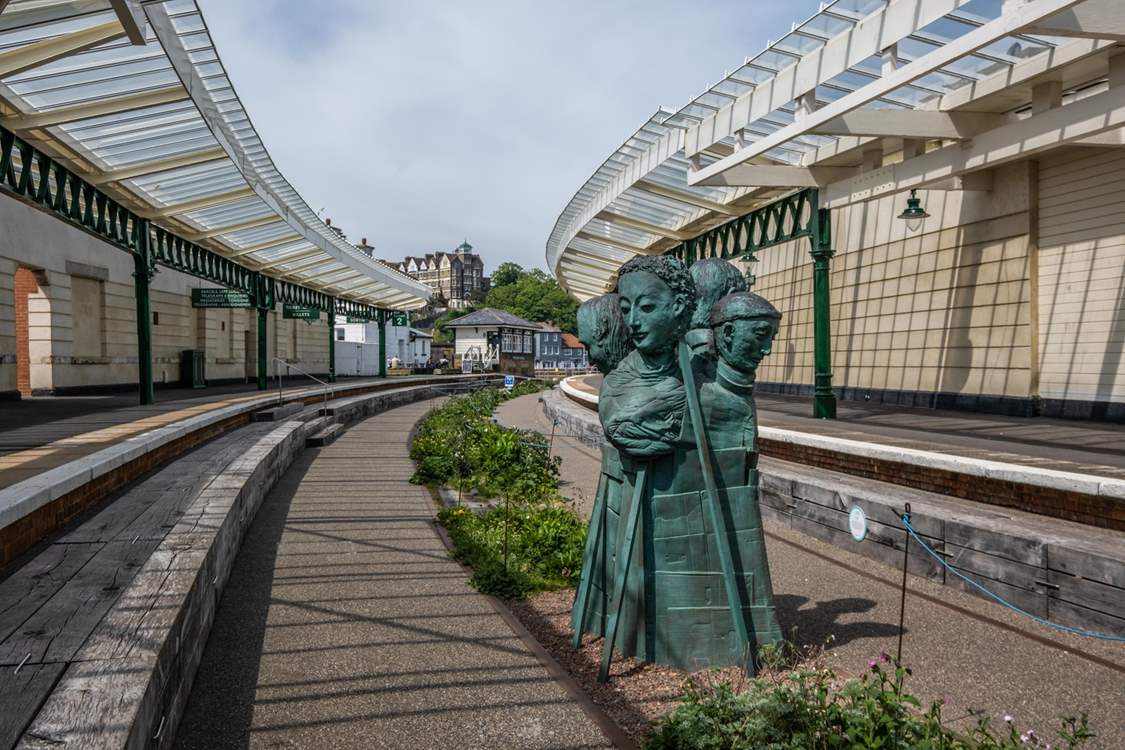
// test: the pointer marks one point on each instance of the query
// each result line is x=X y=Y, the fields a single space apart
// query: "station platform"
x=39 y=434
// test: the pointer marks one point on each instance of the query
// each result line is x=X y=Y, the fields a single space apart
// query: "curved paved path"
x=345 y=624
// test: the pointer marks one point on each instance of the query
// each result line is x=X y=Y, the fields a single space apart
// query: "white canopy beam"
x=199 y=203
x=642 y=226
x=761 y=175
x=55 y=48
x=265 y=245
x=261 y=221
x=97 y=108
x=611 y=242
x=911 y=123
x=132 y=19
x=1019 y=140
x=1094 y=19
x=158 y=165
x=1010 y=22
x=683 y=196
x=876 y=32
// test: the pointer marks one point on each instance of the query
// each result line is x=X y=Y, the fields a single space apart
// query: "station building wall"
x=81 y=316
x=941 y=317
x=1082 y=281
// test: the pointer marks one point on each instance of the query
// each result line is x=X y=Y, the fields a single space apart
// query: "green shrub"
x=458 y=444
x=804 y=711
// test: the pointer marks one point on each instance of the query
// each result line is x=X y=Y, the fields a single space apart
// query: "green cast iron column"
x=331 y=340
x=382 y=344
x=824 y=400
x=261 y=301
x=142 y=274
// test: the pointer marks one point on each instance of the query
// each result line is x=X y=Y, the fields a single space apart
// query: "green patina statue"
x=602 y=330
x=714 y=279
x=675 y=569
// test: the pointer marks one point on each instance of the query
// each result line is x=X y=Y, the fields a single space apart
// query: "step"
x=279 y=413
x=325 y=436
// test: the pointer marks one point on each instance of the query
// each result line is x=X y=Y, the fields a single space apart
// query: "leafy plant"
x=806 y=711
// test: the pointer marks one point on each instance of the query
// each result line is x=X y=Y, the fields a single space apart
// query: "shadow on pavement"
x=812 y=626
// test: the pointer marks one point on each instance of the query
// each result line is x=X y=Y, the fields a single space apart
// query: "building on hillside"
x=495 y=337
x=555 y=350
x=457 y=276
x=548 y=346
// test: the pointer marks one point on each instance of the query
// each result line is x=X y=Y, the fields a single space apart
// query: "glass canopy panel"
x=278 y=253
x=633 y=237
x=257 y=235
x=187 y=183
x=23 y=13
x=228 y=213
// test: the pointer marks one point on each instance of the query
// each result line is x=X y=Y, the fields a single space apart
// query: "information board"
x=509 y=382
x=300 y=313
x=399 y=318
x=210 y=297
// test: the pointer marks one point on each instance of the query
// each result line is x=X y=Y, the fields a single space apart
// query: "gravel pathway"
x=345 y=624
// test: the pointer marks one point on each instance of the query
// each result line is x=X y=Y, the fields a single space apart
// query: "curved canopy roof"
x=892 y=77
x=133 y=96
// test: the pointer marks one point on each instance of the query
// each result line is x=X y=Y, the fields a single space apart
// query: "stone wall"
x=81 y=320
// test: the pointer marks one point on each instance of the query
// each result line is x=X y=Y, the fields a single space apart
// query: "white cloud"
x=417 y=124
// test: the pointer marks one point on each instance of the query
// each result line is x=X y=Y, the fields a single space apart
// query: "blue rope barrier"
x=997 y=598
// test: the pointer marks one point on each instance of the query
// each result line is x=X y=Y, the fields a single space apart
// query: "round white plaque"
x=857 y=523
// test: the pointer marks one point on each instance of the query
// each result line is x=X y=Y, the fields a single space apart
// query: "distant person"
x=602 y=329
x=714 y=279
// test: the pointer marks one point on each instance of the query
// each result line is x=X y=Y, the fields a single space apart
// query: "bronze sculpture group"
x=675 y=569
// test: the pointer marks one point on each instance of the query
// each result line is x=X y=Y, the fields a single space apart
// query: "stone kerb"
x=130 y=681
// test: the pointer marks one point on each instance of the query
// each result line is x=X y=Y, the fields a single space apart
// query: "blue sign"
x=509 y=382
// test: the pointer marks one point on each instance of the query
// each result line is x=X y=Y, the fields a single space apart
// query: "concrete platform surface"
x=346 y=624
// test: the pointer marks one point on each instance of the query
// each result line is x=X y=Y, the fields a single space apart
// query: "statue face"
x=596 y=350
x=743 y=344
x=651 y=311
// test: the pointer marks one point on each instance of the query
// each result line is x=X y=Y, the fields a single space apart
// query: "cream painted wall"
x=72 y=261
x=1082 y=275
x=945 y=309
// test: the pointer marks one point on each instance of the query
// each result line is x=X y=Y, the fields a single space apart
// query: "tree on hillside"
x=506 y=273
x=443 y=335
x=537 y=297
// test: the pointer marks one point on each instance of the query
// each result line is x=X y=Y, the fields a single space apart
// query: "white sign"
x=466 y=366
x=857 y=523
x=509 y=382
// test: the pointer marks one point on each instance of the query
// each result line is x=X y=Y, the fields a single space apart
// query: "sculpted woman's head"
x=714 y=279
x=657 y=298
x=602 y=329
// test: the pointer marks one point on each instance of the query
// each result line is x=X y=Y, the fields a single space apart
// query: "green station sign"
x=210 y=297
x=399 y=318
x=300 y=313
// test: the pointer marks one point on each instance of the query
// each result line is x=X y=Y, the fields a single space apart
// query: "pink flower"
x=873 y=664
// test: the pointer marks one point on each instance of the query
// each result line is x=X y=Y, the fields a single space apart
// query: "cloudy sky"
x=418 y=124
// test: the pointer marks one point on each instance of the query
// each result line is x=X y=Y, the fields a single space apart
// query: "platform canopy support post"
x=263 y=303
x=144 y=269
x=382 y=317
x=331 y=339
x=824 y=400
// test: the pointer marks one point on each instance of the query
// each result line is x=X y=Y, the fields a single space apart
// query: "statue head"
x=602 y=329
x=657 y=298
x=744 y=325
x=714 y=279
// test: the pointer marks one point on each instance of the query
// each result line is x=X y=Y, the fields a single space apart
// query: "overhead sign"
x=300 y=313
x=509 y=382
x=857 y=523
x=400 y=318
x=210 y=297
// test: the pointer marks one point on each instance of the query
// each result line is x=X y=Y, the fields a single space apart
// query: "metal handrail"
x=288 y=366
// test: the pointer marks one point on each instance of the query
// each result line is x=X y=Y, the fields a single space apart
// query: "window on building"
x=339 y=334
